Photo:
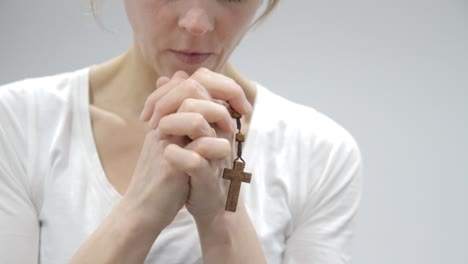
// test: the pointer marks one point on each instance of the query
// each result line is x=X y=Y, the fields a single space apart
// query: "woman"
x=123 y=162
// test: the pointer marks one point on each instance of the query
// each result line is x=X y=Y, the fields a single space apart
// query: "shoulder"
x=40 y=98
x=321 y=159
x=51 y=85
x=308 y=126
x=34 y=104
x=31 y=112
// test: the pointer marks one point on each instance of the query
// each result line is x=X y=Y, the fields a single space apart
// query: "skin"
x=212 y=26
x=173 y=107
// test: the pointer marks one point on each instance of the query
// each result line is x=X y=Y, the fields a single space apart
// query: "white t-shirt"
x=302 y=199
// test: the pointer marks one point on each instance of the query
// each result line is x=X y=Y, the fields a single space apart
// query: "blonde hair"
x=270 y=7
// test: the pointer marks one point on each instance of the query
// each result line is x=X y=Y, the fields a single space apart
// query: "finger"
x=162 y=81
x=148 y=108
x=213 y=112
x=211 y=148
x=223 y=88
x=192 y=125
x=185 y=160
x=171 y=101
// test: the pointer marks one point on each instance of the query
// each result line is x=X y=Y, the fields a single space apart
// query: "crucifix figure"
x=237 y=176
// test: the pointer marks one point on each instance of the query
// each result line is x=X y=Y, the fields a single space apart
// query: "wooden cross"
x=237 y=176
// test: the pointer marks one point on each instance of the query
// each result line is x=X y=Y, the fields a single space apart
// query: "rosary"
x=236 y=175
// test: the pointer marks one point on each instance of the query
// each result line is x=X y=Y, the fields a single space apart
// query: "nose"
x=196 y=21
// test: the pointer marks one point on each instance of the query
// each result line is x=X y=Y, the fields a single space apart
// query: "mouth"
x=191 y=57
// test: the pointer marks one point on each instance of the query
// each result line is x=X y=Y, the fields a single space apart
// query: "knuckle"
x=200 y=72
x=195 y=89
x=237 y=90
x=167 y=152
x=163 y=123
x=225 y=147
x=179 y=72
x=191 y=84
x=226 y=144
x=200 y=148
x=152 y=98
x=188 y=105
x=197 y=74
x=158 y=108
x=199 y=123
x=194 y=163
x=233 y=82
x=225 y=113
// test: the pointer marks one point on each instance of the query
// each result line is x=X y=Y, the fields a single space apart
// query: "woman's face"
x=188 y=34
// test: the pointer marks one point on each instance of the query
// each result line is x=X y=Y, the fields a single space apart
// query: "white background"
x=393 y=72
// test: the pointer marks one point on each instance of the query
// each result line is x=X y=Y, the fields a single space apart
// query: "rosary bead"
x=240 y=137
x=234 y=113
x=236 y=175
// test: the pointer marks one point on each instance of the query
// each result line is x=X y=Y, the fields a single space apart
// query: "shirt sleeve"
x=323 y=225
x=19 y=227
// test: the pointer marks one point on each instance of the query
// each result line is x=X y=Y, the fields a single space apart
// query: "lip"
x=191 y=57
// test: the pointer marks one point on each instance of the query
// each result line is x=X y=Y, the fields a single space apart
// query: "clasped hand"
x=188 y=146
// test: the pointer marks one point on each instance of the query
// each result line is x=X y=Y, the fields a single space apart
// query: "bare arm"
x=154 y=197
x=123 y=237
x=230 y=238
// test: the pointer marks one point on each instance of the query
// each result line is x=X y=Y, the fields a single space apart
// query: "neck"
x=122 y=85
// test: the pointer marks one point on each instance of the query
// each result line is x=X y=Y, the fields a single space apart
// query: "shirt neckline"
x=83 y=103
